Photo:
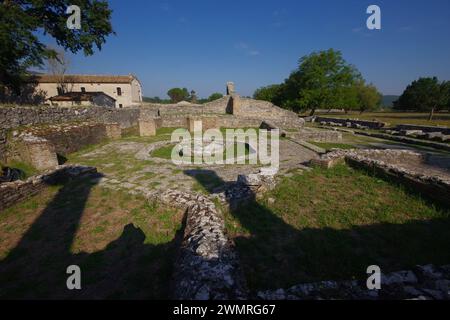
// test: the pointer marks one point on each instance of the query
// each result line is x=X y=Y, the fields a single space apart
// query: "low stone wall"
x=3 y=148
x=317 y=135
x=423 y=283
x=443 y=130
x=353 y=123
x=13 y=117
x=14 y=192
x=207 y=266
x=69 y=138
x=407 y=140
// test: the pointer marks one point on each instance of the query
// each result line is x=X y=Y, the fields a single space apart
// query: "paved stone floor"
x=146 y=174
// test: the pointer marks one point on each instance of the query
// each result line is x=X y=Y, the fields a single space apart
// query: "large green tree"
x=323 y=80
x=22 y=20
x=268 y=93
x=178 y=94
x=369 y=99
x=425 y=95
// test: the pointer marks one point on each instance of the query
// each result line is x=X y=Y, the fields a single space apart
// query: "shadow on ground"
x=126 y=269
x=274 y=254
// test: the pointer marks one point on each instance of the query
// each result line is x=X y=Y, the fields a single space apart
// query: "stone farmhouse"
x=125 y=90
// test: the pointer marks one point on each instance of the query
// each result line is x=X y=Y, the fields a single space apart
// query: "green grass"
x=332 y=224
x=165 y=152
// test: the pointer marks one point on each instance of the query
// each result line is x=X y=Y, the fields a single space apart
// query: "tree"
x=20 y=21
x=178 y=94
x=424 y=94
x=323 y=80
x=58 y=67
x=369 y=98
x=215 y=96
x=268 y=93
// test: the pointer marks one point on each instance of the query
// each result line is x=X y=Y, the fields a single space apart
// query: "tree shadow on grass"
x=275 y=254
x=127 y=268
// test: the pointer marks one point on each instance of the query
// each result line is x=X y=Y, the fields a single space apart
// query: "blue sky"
x=202 y=44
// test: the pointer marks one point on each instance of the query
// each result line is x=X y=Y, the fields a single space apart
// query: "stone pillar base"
x=113 y=131
x=147 y=128
x=38 y=152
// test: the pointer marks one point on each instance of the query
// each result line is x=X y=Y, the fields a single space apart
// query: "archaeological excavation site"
x=97 y=188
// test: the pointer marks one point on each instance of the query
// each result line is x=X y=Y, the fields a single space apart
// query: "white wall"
x=131 y=92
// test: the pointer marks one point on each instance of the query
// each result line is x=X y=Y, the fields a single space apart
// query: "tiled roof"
x=78 y=78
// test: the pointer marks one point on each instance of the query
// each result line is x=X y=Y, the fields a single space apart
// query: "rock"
x=270 y=201
x=399 y=277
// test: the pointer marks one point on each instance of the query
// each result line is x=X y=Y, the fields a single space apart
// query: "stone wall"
x=251 y=113
x=69 y=138
x=3 y=148
x=423 y=283
x=13 y=117
x=317 y=135
x=207 y=267
x=14 y=192
x=444 y=130
x=353 y=123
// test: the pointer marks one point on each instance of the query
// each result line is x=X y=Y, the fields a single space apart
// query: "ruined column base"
x=147 y=128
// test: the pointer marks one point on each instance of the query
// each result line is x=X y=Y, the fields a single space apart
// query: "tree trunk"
x=431 y=114
x=312 y=112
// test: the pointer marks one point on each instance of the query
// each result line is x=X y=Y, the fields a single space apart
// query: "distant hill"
x=388 y=100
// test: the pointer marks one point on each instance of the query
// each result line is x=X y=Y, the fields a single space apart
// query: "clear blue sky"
x=202 y=44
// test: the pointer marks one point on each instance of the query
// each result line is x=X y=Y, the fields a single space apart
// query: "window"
x=119 y=91
x=83 y=89
x=120 y=106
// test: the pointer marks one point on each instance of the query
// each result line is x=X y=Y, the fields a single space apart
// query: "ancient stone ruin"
x=207 y=265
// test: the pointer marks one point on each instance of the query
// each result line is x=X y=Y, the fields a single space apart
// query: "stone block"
x=207 y=123
x=38 y=152
x=147 y=128
x=230 y=88
x=235 y=101
x=113 y=131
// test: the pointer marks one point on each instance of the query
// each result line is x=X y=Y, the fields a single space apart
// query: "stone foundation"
x=318 y=135
x=38 y=152
x=147 y=128
x=207 y=123
x=12 y=193
x=207 y=267
x=113 y=131
x=422 y=283
x=351 y=123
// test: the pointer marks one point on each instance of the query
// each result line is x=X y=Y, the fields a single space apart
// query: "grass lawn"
x=165 y=152
x=394 y=118
x=333 y=224
x=124 y=246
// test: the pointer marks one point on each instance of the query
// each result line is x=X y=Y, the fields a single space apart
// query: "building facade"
x=126 y=90
x=78 y=99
